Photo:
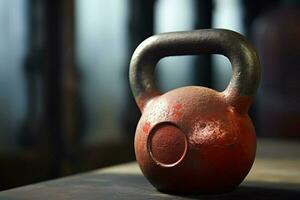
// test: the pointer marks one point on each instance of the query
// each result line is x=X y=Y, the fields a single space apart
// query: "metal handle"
x=245 y=64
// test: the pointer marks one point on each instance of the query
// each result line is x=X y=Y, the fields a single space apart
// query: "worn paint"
x=146 y=127
x=177 y=113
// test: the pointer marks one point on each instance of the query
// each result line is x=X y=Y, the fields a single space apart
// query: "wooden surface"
x=275 y=175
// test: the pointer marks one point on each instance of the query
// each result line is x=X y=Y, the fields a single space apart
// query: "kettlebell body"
x=195 y=139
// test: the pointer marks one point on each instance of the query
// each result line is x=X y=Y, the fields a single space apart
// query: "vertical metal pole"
x=72 y=119
x=61 y=94
x=52 y=82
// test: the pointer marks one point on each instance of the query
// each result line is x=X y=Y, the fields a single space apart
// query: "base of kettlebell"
x=195 y=192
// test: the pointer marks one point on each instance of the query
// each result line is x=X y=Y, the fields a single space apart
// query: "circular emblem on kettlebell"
x=167 y=144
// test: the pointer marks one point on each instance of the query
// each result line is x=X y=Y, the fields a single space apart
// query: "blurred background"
x=65 y=103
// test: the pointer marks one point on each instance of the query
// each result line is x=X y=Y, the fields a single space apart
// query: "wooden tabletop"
x=275 y=175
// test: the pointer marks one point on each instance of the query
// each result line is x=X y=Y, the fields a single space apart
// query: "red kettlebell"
x=195 y=139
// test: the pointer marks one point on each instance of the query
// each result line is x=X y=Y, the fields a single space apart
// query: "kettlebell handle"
x=245 y=64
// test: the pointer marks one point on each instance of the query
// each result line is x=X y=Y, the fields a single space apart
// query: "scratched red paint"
x=177 y=114
x=146 y=127
x=178 y=106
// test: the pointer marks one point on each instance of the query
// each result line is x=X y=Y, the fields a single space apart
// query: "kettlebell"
x=195 y=139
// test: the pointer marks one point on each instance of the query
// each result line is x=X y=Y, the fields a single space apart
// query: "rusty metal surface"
x=275 y=175
x=194 y=139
